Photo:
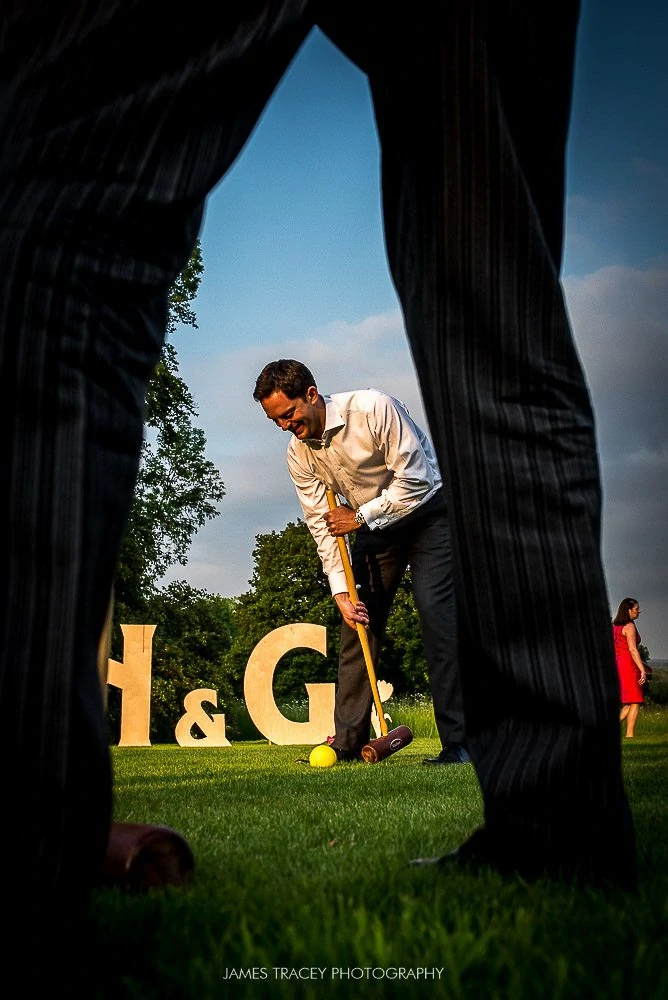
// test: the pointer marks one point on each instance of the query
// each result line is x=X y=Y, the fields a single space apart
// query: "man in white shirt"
x=366 y=447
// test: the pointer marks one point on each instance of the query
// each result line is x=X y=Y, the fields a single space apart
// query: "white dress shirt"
x=374 y=455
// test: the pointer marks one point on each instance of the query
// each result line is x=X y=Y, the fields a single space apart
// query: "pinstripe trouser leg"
x=473 y=122
x=110 y=140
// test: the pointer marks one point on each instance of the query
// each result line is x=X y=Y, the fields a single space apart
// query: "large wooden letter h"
x=133 y=677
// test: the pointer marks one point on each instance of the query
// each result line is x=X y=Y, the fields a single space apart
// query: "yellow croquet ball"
x=322 y=756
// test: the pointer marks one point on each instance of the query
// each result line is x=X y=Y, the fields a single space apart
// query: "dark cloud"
x=620 y=321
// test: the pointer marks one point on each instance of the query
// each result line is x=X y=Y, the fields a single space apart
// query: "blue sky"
x=295 y=267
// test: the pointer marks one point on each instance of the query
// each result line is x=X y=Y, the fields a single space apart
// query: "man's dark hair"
x=622 y=616
x=285 y=375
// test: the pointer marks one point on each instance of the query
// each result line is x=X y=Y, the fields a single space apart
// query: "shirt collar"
x=334 y=421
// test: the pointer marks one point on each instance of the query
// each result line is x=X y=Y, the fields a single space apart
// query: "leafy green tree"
x=195 y=631
x=183 y=292
x=288 y=585
x=402 y=661
x=176 y=493
x=178 y=488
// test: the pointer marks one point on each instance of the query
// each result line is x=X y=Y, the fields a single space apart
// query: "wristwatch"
x=359 y=517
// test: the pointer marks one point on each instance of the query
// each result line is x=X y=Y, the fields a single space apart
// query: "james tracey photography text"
x=315 y=972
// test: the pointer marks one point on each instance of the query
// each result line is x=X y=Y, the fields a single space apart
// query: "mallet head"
x=143 y=856
x=377 y=750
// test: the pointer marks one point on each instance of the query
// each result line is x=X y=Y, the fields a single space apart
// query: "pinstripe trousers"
x=116 y=121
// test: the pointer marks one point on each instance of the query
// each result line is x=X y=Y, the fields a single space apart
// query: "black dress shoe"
x=470 y=855
x=346 y=756
x=452 y=753
x=477 y=853
x=440 y=860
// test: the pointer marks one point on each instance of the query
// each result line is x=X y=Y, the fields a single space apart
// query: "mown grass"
x=300 y=868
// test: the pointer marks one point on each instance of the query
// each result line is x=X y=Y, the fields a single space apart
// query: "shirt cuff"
x=337 y=582
x=373 y=514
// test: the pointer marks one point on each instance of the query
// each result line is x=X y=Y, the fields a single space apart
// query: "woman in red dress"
x=630 y=666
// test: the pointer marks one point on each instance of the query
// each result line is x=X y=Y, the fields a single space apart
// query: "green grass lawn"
x=301 y=869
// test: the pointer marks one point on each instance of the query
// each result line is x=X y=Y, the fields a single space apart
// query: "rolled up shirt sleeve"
x=410 y=462
x=312 y=496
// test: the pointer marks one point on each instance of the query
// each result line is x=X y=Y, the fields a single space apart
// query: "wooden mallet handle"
x=361 y=631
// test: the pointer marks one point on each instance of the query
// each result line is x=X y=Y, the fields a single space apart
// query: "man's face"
x=301 y=416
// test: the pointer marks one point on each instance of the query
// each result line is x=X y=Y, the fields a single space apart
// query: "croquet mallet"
x=388 y=742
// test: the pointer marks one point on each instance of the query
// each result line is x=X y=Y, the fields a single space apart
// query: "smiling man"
x=366 y=447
